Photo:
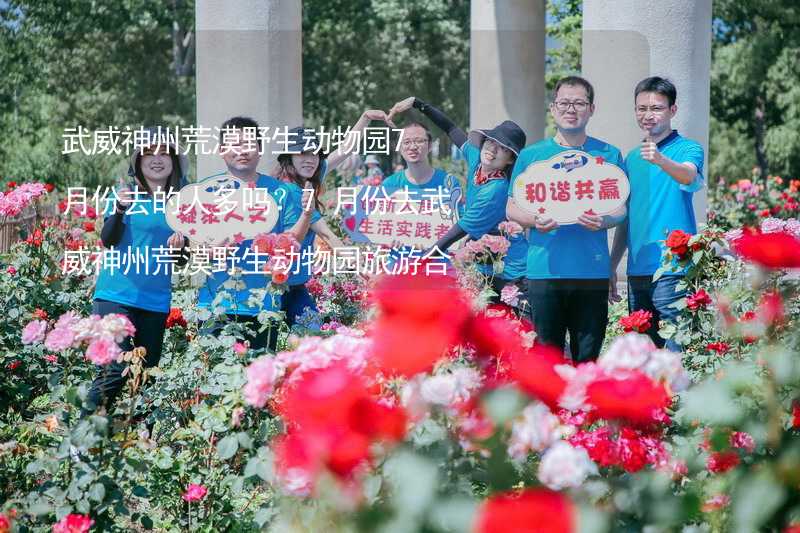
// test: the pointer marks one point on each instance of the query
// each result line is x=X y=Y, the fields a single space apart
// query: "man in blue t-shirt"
x=241 y=144
x=665 y=171
x=568 y=267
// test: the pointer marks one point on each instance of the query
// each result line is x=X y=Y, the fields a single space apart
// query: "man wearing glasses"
x=568 y=266
x=665 y=171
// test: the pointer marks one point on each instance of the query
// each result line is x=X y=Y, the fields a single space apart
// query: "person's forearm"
x=619 y=244
x=325 y=233
x=300 y=228
x=336 y=157
x=442 y=121
x=113 y=227
x=521 y=217
x=615 y=218
x=455 y=234
x=683 y=173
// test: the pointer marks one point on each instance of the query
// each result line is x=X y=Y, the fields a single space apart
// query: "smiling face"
x=495 y=156
x=415 y=144
x=305 y=164
x=240 y=154
x=156 y=164
x=653 y=113
x=571 y=109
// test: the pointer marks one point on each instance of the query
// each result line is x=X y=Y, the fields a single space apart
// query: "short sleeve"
x=290 y=208
x=472 y=154
x=693 y=153
x=486 y=210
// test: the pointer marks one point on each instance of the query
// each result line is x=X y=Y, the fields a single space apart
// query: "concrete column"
x=249 y=62
x=625 y=41
x=507 y=64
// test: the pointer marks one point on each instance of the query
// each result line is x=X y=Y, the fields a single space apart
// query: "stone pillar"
x=507 y=64
x=625 y=41
x=249 y=62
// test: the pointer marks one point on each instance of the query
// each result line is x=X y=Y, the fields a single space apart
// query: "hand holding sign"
x=124 y=193
x=650 y=151
x=572 y=187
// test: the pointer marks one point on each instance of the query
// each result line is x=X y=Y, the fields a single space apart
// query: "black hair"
x=420 y=125
x=656 y=84
x=240 y=123
x=573 y=81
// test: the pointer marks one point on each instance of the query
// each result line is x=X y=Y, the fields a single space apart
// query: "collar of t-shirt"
x=668 y=139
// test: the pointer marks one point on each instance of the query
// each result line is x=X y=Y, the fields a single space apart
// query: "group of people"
x=567 y=271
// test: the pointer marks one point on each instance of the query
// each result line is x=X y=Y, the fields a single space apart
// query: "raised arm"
x=337 y=156
x=442 y=121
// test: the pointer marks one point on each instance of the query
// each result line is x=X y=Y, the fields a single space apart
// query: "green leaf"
x=227 y=447
x=503 y=405
x=140 y=491
x=755 y=499
x=97 y=492
x=414 y=480
x=146 y=522
x=710 y=402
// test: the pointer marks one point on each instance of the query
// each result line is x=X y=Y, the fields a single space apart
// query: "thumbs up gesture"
x=650 y=151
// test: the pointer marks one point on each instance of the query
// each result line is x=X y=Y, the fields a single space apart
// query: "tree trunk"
x=759 y=127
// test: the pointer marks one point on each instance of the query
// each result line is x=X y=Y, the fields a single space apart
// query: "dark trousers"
x=577 y=306
x=659 y=298
x=295 y=301
x=150 y=327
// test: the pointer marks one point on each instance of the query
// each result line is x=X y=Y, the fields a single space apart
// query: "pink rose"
x=34 y=332
x=261 y=375
x=59 y=339
x=194 y=492
x=102 y=351
x=510 y=295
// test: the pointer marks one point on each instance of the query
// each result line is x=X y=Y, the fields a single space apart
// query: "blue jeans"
x=657 y=297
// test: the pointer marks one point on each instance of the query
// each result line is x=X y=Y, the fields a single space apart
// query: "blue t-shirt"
x=570 y=251
x=302 y=273
x=399 y=180
x=486 y=208
x=149 y=288
x=658 y=204
x=236 y=300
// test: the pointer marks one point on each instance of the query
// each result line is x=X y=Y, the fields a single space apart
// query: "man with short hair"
x=665 y=171
x=568 y=266
x=242 y=155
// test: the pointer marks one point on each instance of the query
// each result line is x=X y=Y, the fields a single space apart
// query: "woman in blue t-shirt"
x=303 y=166
x=139 y=286
x=490 y=156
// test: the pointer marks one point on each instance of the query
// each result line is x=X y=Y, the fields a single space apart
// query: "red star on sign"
x=599 y=160
x=590 y=212
x=192 y=231
x=238 y=238
x=542 y=210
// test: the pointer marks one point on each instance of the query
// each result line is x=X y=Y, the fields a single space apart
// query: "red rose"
x=11 y=185
x=638 y=321
x=529 y=511
x=770 y=250
x=796 y=415
x=698 y=300
x=720 y=347
x=40 y=314
x=175 y=318
x=770 y=310
x=88 y=226
x=534 y=371
x=720 y=462
x=49 y=187
x=678 y=243
x=634 y=397
x=13 y=365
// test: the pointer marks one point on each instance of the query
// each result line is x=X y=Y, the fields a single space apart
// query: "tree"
x=93 y=64
x=755 y=98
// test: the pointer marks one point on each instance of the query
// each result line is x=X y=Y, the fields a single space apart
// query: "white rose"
x=627 y=352
x=564 y=466
x=439 y=390
x=535 y=430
